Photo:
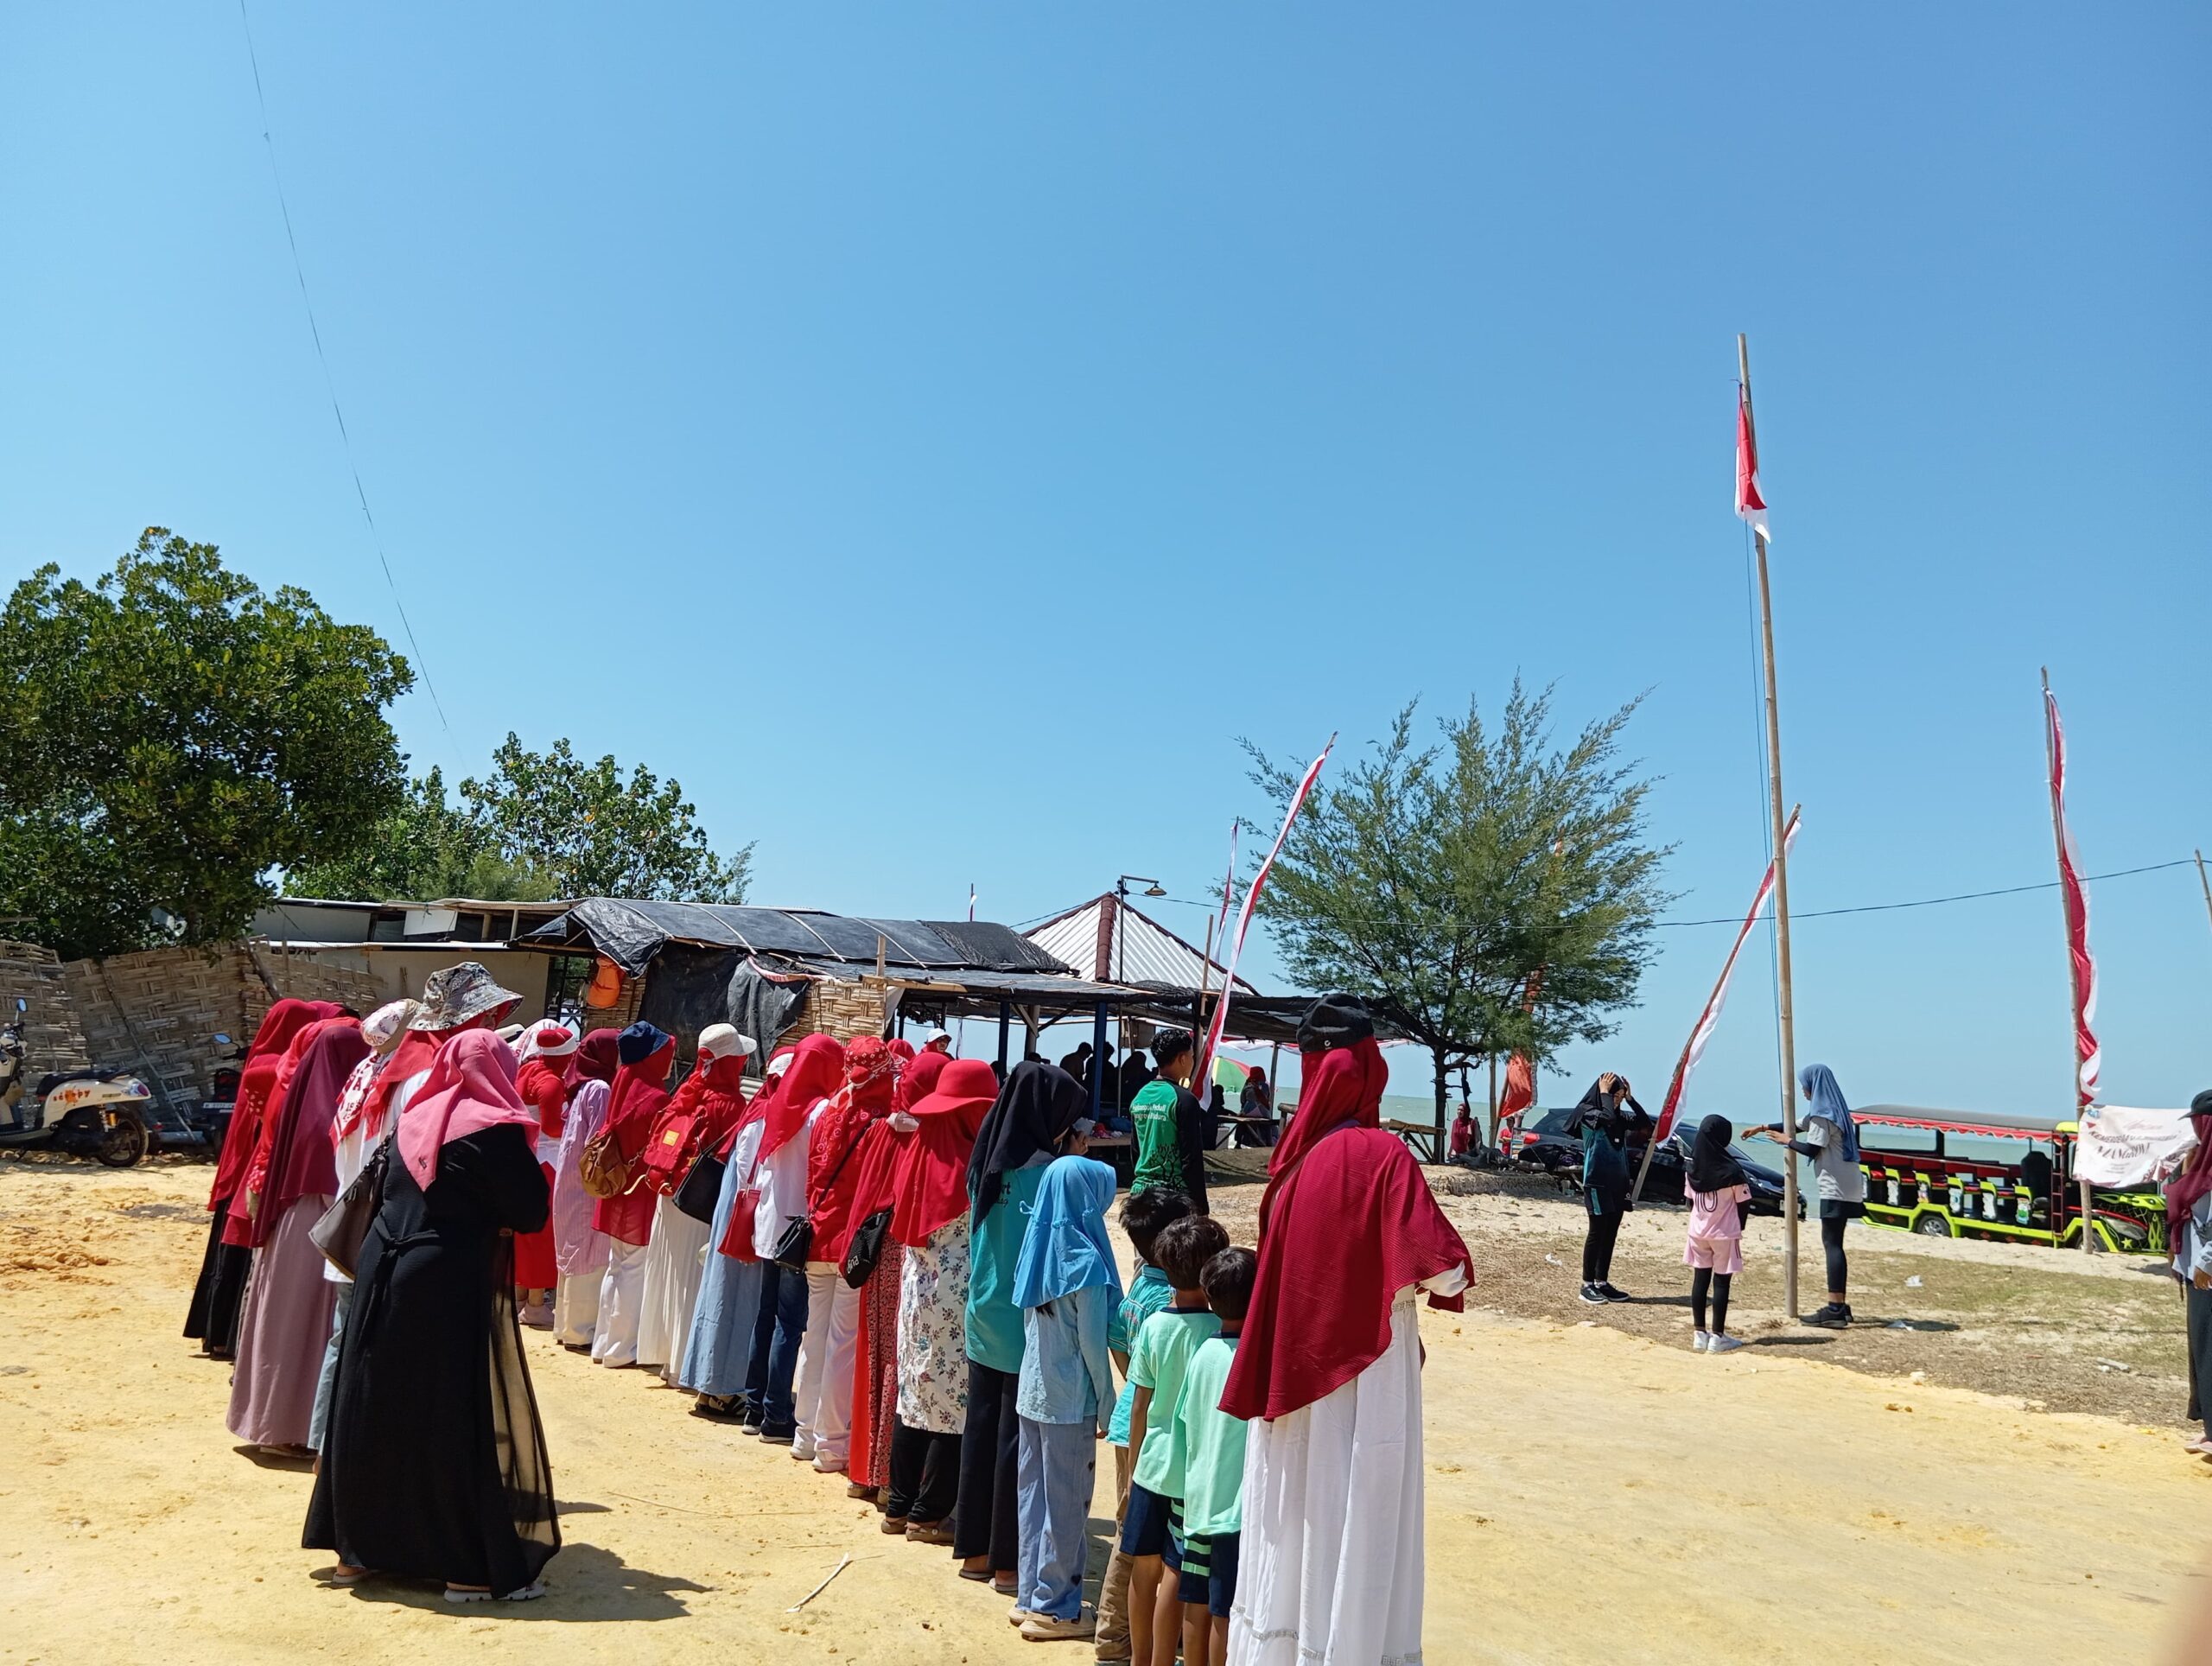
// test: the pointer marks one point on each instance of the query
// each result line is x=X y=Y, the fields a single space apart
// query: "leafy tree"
x=590 y=833
x=425 y=848
x=1434 y=882
x=171 y=734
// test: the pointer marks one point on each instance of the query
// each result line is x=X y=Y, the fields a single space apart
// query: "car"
x=1550 y=1147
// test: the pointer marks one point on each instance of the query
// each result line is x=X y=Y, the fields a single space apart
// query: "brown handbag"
x=605 y=1172
x=345 y=1225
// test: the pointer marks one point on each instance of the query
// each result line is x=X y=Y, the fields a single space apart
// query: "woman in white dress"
x=1328 y=1371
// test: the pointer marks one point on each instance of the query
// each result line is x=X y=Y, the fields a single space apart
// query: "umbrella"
x=1228 y=1075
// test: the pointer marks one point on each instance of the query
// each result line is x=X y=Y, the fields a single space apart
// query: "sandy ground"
x=1595 y=1493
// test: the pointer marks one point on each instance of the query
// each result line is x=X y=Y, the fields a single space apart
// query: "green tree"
x=1433 y=882
x=424 y=848
x=171 y=734
x=590 y=833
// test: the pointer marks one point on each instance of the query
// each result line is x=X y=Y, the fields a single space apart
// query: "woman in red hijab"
x=1328 y=1369
x=212 y=1318
x=929 y=1223
x=822 y=1403
x=433 y=1465
x=875 y=1348
x=289 y=1306
x=580 y=1249
x=546 y=1054
x=779 y=1180
x=647 y=1055
x=701 y=1113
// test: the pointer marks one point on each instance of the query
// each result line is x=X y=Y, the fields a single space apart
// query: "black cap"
x=1334 y=1020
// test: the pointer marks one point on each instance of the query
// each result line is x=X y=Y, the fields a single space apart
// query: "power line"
x=1930 y=902
x=346 y=440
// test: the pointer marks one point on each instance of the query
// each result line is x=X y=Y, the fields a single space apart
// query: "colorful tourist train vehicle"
x=2008 y=1179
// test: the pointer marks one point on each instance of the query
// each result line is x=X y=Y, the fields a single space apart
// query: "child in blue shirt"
x=1150 y=1534
x=1067 y=1287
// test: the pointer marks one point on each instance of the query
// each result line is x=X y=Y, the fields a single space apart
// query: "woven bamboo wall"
x=842 y=1011
x=52 y=1038
x=158 y=1013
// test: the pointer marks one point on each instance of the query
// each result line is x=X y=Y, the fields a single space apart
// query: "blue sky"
x=935 y=435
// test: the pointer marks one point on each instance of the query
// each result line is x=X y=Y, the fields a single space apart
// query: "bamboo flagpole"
x=2206 y=883
x=1707 y=1021
x=1751 y=505
x=2081 y=969
x=1234 y=946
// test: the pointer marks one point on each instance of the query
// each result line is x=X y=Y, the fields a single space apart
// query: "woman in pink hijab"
x=433 y=1465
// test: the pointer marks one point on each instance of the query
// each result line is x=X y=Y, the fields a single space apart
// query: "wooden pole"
x=2073 y=979
x=1784 y=1015
x=1494 y=1138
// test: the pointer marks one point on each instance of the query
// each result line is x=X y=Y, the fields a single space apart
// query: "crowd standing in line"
x=898 y=1269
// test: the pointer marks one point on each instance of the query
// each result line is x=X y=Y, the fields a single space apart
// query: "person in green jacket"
x=1171 y=1123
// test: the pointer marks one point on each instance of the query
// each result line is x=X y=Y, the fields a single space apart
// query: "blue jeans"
x=775 y=1348
x=319 y=1420
x=1057 y=1463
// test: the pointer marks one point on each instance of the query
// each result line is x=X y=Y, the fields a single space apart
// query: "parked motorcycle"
x=86 y=1113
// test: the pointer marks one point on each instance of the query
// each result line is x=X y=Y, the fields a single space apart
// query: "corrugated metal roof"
x=1107 y=938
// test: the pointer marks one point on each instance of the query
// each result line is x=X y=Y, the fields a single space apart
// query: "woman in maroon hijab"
x=212 y=1318
x=1328 y=1369
x=288 y=1312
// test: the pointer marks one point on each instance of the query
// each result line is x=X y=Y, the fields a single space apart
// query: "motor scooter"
x=86 y=1113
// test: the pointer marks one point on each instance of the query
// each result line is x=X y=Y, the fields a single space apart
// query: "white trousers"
x=1330 y=1568
x=823 y=1395
x=575 y=1308
x=619 y=1294
x=676 y=1261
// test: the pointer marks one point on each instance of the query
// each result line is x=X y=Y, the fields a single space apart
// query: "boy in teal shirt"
x=1209 y=1444
x=1144 y=1216
x=1162 y=1351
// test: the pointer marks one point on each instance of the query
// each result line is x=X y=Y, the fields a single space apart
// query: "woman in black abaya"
x=435 y=1463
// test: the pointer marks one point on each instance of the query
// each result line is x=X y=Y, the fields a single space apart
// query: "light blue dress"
x=720 y=1346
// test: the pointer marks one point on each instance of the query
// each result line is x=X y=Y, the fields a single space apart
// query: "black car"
x=1549 y=1146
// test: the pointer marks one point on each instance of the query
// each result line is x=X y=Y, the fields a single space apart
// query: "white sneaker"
x=1724 y=1344
x=1698 y=1341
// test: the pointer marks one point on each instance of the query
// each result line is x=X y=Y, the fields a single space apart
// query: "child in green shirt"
x=1209 y=1445
x=1144 y=1216
x=1162 y=1350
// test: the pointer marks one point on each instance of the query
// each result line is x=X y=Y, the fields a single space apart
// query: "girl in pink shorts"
x=1717 y=1190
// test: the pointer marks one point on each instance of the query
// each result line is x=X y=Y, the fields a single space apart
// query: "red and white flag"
x=2087 y=1055
x=1751 y=503
x=1214 y=1031
x=1709 y=1019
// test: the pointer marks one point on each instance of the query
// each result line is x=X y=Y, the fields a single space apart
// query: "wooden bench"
x=1420 y=1138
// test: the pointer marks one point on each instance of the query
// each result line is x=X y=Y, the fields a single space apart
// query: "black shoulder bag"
x=796 y=1243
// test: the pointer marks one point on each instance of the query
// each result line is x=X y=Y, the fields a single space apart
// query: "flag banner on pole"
x=1215 y=1031
x=2088 y=1057
x=1520 y=1089
x=1751 y=503
x=1709 y=1019
x=1228 y=895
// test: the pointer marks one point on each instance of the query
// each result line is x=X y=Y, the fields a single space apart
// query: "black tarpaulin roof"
x=631 y=932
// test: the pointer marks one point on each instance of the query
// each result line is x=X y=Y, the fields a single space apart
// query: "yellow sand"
x=1593 y=1496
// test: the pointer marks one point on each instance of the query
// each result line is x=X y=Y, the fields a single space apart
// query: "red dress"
x=543 y=1089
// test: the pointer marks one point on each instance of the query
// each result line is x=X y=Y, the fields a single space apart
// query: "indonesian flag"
x=1709 y=1019
x=2088 y=1056
x=1244 y=913
x=1520 y=1091
x=1750 y=504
